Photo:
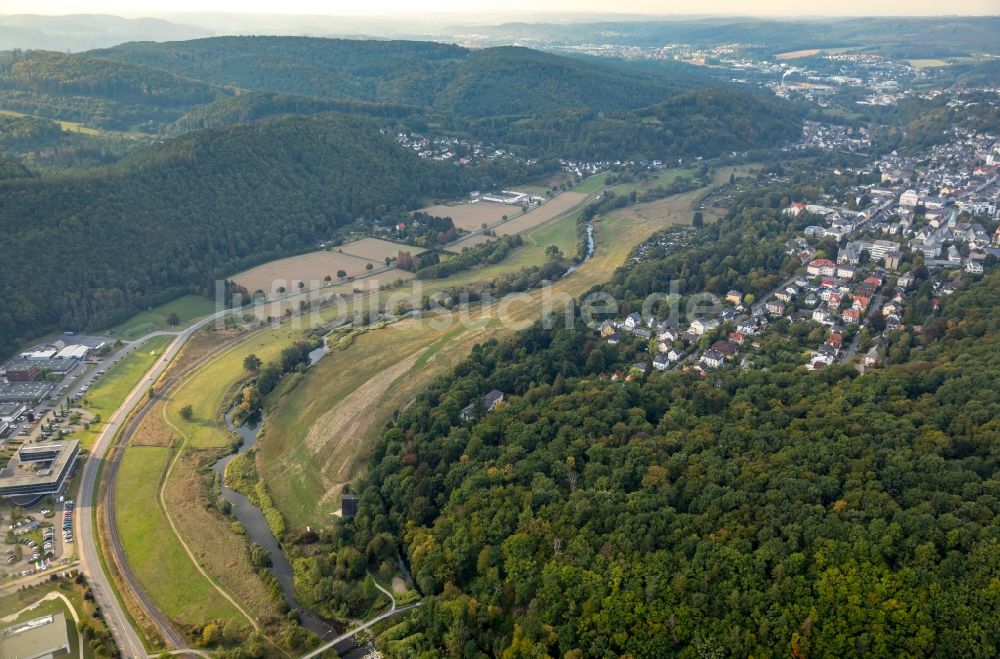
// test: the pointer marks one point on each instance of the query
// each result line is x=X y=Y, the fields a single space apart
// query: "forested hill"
x=103 y=92
x=765 y=513
x=10 y=169
x=493 y=81
x=540 y=104
x=249 y=107
x=87 y=251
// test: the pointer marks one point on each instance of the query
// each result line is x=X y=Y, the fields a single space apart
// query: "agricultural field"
x=319 y=432
x=927 y=63
x=375 y=249
x=187 y=309
x=536 y=217
x=471 y=216
x=154 y=553
x=795 y=54
x=310 y=269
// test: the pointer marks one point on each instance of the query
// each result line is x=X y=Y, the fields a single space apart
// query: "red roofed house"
x=874 y=281
x=795 y=209
x=835 y=341
x=860 y=302
x=852 y=316
x=821 y=267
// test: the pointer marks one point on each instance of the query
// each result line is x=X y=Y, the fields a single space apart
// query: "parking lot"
x=37 y=540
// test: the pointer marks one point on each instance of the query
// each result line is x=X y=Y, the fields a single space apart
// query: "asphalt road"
x=129 y=642
x=85 y=530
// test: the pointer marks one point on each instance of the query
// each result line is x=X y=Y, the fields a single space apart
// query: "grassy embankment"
x=187 y=308
x=110 y=390
x=325 y=422
x=209 y=569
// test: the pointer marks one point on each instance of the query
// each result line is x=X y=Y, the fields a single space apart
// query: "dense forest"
x=760 y=512
x=102 y=92
x=494 y=81
x=547 y=105
x=88 y=250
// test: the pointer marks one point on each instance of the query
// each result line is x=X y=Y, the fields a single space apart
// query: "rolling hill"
x=101 y=92
x=469 y=83
x=89 y=250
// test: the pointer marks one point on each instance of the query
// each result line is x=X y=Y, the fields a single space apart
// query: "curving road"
x=129 y=642
x=84 y=520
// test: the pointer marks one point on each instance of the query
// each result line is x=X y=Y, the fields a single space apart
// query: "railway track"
x=106 y=498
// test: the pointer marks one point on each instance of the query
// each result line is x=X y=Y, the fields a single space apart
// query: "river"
x=258 y=531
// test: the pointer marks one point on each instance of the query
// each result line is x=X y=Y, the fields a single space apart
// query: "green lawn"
x=206 y=390
x=187 y=308
x=591 y=184
x=110 y=390
x=153 y=552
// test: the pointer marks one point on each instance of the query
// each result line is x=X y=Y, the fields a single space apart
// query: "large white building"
x=909 y=198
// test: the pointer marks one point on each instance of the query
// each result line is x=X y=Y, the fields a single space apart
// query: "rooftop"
x=22 y=469
x=40 y=637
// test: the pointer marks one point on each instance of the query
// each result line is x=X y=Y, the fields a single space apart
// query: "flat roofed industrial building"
x=23 y=392
x=42 y=637
x=38 y=470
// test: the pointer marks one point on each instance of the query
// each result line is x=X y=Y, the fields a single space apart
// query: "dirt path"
x=173 y=525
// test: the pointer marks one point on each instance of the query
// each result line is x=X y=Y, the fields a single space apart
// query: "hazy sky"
x=372 y=7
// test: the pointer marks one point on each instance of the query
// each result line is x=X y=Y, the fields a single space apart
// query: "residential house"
x=668 y=335
x=820 y=268
x=713 y=359
x=702 y=325
x=874 y=356
x=734 y=296
x=775 y=307
x=823 y=316
x=490 y=402
x=727 y=348
x=633 y=320
x=661 y=362
x=835 y=341
x=846 y=271
x=852 y=316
